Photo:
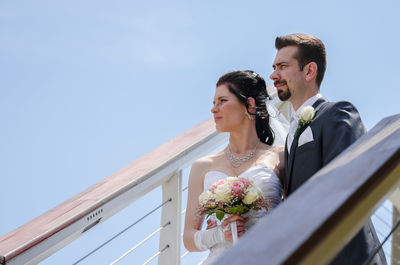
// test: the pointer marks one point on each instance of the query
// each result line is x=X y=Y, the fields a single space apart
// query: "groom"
x=299 y=68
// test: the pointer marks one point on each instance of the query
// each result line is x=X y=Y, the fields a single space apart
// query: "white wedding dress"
x=266 y=180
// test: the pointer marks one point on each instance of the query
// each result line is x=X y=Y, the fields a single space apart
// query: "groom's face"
x=287 y=76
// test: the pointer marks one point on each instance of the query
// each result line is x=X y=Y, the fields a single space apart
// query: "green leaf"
x=238 y=209
x=219 y=214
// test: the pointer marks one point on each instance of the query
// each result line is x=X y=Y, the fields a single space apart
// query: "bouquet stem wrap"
x=234 y=232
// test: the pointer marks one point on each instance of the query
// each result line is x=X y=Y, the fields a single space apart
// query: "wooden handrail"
x=54 y=229
x=316 y=221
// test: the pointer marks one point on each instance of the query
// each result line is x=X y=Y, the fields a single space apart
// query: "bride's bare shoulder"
x=279 y=149
x=271 y=155
x=205 y=163
x=267 y=149
x=199 y=169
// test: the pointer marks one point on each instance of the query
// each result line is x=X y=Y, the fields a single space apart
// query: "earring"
x=250 y=116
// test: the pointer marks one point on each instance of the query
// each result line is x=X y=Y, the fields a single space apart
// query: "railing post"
x=171 y=212
x=395 y=238
x=395 y=198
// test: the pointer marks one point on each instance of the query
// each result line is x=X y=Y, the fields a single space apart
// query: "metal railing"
x=126 y=229
x=43 y=236
x=163 y=167
x=46 y=234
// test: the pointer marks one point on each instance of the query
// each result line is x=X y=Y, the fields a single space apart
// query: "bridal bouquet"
x=233 y=195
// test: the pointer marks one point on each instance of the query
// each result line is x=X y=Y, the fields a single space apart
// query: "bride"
x=239 y=107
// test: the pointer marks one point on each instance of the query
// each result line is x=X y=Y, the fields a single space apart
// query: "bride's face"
x=229 y=113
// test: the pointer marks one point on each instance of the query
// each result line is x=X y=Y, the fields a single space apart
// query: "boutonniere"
x=306 y=116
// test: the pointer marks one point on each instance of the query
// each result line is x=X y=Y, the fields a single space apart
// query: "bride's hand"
x=211 y=224
x=240 y=222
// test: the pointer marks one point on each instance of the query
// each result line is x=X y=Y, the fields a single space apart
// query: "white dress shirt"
x=294 y=121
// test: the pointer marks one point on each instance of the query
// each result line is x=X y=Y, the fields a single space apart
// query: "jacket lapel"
x=289 y=157
x=287 y=175
x=317 y=104
x=290 y=162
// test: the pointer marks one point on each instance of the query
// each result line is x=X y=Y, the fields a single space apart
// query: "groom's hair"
x=310 y=49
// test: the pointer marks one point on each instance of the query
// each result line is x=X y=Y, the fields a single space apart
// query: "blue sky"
x=86 y=87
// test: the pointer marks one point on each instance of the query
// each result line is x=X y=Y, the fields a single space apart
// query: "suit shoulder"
x=340 y=110
x=344 y=106
x=338 y=105
x=342 y=114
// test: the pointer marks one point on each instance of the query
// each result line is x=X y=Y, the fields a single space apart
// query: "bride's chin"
x=220 y=128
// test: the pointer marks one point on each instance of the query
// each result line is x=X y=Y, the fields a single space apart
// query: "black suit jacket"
x=335 y=127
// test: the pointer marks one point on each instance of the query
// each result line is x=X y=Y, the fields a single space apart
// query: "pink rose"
x=237 y=188
x=217 y=183
x=245 y=182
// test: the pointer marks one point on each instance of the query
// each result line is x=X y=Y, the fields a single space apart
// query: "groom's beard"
x=283 y=94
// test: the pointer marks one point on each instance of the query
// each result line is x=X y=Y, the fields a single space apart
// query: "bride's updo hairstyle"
x=246 y=84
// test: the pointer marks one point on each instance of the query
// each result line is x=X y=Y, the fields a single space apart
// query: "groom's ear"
x=310 y=71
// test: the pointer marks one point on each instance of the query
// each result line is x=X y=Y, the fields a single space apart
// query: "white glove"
x=206 y=239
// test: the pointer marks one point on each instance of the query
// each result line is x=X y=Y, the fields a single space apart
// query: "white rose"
x=232 y=179
x=223 y=192
x=205 y=197
x=307 y=113
x=251 y=196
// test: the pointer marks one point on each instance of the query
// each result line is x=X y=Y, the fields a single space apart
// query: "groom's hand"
x=240 y=222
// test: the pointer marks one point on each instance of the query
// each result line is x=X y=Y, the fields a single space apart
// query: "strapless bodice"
x=262 y=176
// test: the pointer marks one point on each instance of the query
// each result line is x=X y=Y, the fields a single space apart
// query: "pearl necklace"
x=237 y=161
